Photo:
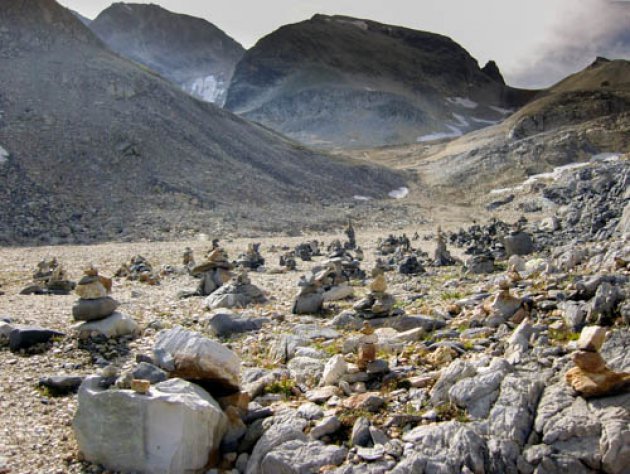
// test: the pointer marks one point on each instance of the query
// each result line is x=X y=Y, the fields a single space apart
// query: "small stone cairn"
x=96 y=310
x=591 y=377
x=213 y=273
x=252 y=258
x=49 y=279
x=378 y=303
x=441 y=256
x=138 y=269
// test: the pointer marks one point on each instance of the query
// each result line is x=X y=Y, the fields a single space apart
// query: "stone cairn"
x=367 y=346
x=138 y=269
x=591 y=377
x=518 y=242
x=329 y=282
x=351 y=243
x=49 y=279
x=96 y=310
x=378 y=303
x=213 y=273
x=288 y=261
x=238 y=293
x=188 y=259
x=391 y=244
x=503 y=307
x=441 y=256
x=307 y=250
x=252 y=258
x=310 y=297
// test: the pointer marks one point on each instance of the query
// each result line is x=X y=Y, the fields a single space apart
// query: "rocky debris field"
x=374 y=354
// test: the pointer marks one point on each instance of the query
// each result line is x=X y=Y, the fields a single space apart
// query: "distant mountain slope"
x=584 y=115
x=93 y=147
x=189 y=51
x=344 y=82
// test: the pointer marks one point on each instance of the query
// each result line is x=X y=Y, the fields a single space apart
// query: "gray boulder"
x=173 y=429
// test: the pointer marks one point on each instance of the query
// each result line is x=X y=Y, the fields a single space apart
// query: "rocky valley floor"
x=466 y=376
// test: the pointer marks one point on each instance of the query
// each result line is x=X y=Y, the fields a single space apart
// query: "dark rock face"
x=65 y=98
x=194 y=54
x=340 y=81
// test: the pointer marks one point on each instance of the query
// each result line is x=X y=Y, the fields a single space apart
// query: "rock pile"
x=212 y=274
x=350 y=233
x=441 y=256
x=188 y=259
x=138 y=269
x=151 y=424
x=238 y=293
x=96 y=310
x=391 y=244
x=378 y=303
x=307 y=250
x=591 y=377
x=49 y=279
x=251 y=259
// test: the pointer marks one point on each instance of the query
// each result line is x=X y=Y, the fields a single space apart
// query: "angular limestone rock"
x=175 y=428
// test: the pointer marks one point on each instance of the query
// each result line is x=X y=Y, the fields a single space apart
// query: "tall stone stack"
x=96 y=310
x=350 y=233
x=441 y=256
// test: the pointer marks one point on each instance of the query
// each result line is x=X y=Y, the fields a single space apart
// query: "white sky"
x=517 y=34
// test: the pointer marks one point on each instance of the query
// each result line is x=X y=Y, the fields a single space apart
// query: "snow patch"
x=484 y=121
x=463 y=102
x=455 y=132
x=207 y=88
x=501 y=110
x=399 y=193
x=607 y=157
x=461 y=121
x=554 y=175
x=4 y=156
x=358 y=197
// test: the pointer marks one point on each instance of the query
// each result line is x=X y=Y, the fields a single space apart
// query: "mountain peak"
x=38 y=24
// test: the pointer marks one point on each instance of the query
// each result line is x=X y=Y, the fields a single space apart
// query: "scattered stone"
x=479 y=264
x=25 y=337
x=226 y=324
x=61 y=384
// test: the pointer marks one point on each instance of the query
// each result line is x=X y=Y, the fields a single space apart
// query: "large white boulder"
x=192 y=356
x=175 y=428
